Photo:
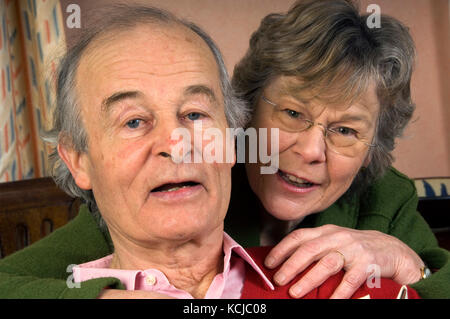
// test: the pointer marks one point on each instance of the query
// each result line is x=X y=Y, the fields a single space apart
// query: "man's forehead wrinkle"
x=199 y=89
x=117 y=97
x=151 y=65
x=202 y=90
x=117 y=58
x=106 y=49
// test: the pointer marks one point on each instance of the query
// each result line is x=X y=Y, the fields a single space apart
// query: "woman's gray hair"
x=68 y=126
x=328 y=45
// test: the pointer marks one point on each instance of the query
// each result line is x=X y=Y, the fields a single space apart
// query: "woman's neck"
x=190 y=266
x=273 y=230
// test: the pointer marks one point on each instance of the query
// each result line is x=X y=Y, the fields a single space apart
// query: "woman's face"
x=312 y=173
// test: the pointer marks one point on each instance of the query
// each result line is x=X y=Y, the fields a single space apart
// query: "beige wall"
x=425 y=149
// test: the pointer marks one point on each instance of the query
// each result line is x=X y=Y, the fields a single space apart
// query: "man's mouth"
x=172 y=187
x=294 y=180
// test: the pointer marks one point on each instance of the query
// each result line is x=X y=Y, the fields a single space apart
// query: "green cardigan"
x=42 y=270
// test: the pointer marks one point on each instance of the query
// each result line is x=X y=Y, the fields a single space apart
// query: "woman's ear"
x=77 y=163
x=367 y=159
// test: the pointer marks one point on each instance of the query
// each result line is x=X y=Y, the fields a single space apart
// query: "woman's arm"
x=400 y=245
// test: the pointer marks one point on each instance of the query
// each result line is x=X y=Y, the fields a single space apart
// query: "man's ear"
x=230 y=149
x=233 y=149
x=77 y=164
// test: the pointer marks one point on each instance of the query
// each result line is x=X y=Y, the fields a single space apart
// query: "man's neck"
x=190 y=266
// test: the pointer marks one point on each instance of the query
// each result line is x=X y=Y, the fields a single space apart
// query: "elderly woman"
x=339 y=92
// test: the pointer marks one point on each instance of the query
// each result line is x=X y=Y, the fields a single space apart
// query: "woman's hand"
x=335 y=248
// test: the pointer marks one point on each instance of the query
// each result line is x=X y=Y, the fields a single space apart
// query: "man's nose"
x=162 y=137
x=311 y=145
x=173 y=141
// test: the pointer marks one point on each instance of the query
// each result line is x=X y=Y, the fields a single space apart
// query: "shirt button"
x=150 y=280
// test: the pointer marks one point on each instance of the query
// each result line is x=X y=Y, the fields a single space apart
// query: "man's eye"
x=134 y=123
x=194 y=116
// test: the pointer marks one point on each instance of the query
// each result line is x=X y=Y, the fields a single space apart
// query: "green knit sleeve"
x=41 y=270
x=28 y=287
x=411 y=228
x=397 y=202
x=437 y=286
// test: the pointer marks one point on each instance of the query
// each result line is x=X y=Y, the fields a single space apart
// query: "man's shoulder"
x=82 y=228
x=76 y=242
x=375 y=288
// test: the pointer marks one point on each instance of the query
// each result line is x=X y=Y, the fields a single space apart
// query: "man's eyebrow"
x=202 y=90
x=108 y=102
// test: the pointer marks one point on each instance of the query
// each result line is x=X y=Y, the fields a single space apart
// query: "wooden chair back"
x=30 y=210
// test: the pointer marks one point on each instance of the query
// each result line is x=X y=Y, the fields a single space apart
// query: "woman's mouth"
x=294 y=180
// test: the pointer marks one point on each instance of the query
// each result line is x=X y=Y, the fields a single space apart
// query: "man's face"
x=134 y=90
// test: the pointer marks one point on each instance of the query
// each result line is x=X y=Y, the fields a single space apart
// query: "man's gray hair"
x=67 y=122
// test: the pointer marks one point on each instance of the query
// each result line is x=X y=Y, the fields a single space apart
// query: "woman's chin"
x=286 y=212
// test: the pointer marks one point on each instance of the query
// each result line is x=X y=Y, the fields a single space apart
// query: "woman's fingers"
x=289 y=244
x=305 y=255
x=329 y=265
x=353 y=279
x=338 y=248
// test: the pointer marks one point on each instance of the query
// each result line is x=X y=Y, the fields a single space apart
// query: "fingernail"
x=270 y=262
x=279 y=278
x=296 y=291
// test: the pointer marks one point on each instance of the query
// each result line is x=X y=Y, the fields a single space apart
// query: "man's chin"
x=183 y=235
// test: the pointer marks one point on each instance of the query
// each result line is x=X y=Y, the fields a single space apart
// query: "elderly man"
x=129 y=83
x=135 y=86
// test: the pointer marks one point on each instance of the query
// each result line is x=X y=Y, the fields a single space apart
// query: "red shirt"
x=255 y=288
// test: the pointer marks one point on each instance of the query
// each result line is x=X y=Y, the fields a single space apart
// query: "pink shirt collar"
x=226 y=285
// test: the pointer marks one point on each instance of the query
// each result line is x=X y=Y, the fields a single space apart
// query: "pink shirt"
x=226 y=285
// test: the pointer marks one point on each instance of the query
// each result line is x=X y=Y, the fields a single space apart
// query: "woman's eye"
x=293 y=114
x=345 y=131
x=134 y=123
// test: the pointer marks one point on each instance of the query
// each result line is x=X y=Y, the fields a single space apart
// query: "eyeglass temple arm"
x=267 y=101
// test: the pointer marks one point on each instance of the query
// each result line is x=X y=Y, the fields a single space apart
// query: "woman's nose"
x=311 y=145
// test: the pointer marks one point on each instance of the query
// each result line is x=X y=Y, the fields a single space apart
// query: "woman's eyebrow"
x=356 y=118
x=109 y=102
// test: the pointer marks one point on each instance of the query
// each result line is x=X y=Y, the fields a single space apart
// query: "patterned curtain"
x=31 y=40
